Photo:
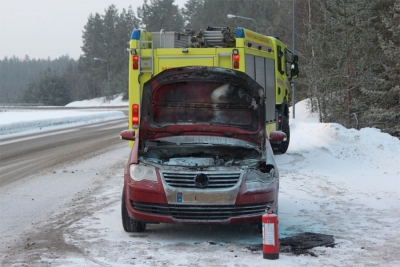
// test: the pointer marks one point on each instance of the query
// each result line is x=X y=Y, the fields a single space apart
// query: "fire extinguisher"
x=270 y=236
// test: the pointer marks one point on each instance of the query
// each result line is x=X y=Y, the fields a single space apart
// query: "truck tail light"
x=236 y=59
x=135 y=59
x=135 y=116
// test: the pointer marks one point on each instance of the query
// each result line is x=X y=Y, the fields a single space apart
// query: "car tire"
x=130 y=225
x=285 y=128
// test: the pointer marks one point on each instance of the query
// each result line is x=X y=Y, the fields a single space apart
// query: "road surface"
x=29 y=154
x=42 y=171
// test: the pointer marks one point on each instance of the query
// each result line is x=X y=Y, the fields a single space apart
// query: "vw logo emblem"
x=201 y=180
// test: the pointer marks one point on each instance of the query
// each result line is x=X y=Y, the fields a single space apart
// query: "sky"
x=50 y=28
x=333 y=180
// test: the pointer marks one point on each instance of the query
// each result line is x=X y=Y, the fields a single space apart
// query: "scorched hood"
x=203 y=101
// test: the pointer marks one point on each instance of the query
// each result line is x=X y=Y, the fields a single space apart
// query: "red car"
x=201 y=154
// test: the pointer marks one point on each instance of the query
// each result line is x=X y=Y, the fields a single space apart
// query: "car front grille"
x=187 y=179
x=201 y=212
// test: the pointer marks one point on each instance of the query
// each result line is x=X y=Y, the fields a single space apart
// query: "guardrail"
x=21 y=104
x=5 y=106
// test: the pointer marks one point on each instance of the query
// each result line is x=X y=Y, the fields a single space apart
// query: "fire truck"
x=264 y=58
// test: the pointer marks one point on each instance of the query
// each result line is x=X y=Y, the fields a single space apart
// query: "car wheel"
x=130 y=225
x=285 y=128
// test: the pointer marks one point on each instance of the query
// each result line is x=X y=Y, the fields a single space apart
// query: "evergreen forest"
x=349 y=55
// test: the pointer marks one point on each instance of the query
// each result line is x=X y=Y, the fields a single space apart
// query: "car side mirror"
x=277 y=136
x=128 y=135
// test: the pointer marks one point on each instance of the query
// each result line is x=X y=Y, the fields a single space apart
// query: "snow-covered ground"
x=334 y=180
x=22 y=121
x=100 y=102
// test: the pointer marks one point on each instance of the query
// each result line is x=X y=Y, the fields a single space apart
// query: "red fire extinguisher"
x=270 y=236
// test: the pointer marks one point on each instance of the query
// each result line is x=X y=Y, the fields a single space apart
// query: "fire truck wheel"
x=285 y=128
x=130 y=225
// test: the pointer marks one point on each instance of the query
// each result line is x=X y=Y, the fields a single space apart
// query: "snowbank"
x=23 y=121
x=100 y=102
x=18 y=121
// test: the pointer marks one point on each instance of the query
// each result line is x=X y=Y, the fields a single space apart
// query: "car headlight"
x=258 y=176
x=141 y=172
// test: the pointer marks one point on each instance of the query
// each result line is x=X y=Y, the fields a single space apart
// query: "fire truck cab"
x=264 y=58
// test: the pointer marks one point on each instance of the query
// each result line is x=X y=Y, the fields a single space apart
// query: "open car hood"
x=203 y=101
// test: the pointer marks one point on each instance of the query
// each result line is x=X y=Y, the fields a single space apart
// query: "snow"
x=22 y=121
x=99 y=102
x=334 y=180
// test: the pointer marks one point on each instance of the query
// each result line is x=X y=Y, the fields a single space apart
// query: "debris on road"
x=301 y=243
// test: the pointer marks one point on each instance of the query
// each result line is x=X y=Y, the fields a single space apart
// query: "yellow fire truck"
x=264 y=58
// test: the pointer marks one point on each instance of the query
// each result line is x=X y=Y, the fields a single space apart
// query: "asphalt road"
x=36 y=175
x=30 y=154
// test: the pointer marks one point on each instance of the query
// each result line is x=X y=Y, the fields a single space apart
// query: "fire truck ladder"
x=213 y=38
x=217 y=36
x=146 y=62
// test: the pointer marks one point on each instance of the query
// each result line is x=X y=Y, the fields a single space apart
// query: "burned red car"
x=201 y=154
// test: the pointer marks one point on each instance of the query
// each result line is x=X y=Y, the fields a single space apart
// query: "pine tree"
x=384 y=100
x=192 y=13
x=127 y=22
x=215 y=14
x=49 y=89
x=160 y=14
x=93 y=45
x=344 y=46
x=111 y=50
x=72 y=78
x=106 y=37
